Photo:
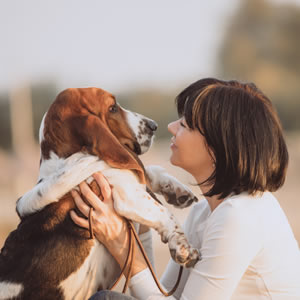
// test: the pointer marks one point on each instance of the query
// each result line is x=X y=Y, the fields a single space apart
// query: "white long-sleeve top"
x=248 y=252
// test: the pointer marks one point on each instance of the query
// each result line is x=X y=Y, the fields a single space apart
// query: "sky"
x=113 y=44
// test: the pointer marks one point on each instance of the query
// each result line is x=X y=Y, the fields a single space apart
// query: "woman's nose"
x=172 y=127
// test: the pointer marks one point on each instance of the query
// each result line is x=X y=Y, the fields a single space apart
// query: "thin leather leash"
x=130 y=256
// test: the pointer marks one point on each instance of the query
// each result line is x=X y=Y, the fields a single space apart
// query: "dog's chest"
x=99 y=271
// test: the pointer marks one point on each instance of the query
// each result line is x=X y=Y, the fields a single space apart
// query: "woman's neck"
x=213 y=201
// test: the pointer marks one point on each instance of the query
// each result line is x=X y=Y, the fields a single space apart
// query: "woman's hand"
x=109 y=228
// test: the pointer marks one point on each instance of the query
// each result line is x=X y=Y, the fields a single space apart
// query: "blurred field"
x=17 y=175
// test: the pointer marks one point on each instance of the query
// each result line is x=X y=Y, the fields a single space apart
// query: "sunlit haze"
x=113 y=44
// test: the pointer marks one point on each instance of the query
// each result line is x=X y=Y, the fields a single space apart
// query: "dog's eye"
x=113 y=109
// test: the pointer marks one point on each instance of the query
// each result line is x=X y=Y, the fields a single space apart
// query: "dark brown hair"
x=243 y=132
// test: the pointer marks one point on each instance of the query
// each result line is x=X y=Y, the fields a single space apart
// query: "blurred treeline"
x=261 y=44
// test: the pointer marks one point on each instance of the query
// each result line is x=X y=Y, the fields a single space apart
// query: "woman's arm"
x=230 y=241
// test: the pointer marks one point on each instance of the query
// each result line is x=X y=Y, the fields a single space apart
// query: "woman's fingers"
x=90 y=196
x=104 y=185
x=78 y=220
x=102 y=209
x=82 y=206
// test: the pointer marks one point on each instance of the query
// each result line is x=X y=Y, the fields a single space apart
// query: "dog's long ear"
x=101 y=142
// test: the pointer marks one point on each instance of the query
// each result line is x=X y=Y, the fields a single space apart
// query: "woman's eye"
x=182 y=124
x=113 y=109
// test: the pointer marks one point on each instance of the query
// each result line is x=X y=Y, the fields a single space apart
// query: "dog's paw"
x=181 y=252
x=172 y=189
x=176 y=193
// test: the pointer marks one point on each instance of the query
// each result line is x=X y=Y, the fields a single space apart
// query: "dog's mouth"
x=134 y=147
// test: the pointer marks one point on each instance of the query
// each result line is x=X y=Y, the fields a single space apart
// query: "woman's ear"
x=101 y=142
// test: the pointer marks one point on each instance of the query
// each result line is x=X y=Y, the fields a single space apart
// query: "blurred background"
x=145 y=53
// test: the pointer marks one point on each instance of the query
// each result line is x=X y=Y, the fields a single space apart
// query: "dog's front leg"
x=173 y=190
x=67 y=174
x=134 y=203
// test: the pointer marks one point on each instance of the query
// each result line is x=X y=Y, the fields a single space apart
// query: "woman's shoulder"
x=243 y=211
x=199 y=213
x=239 y=205
x=246 y=202
x=247 y=210
x=200 y=209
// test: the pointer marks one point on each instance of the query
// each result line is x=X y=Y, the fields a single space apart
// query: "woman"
x=230 y=139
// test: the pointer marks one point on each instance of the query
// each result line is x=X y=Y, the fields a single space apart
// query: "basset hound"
x=84 y=131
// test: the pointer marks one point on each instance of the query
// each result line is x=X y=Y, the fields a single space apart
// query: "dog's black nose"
x=151 y=125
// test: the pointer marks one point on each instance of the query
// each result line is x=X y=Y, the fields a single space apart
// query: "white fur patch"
x=41 y=131
x=137 y=123
x=9 y=290
x=155 y=174
x=134 y=120
x=99 y=266
x=57 y=177
x=173 y=190
x=132 y=201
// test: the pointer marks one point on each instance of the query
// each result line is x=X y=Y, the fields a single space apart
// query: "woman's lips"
x=173 y=146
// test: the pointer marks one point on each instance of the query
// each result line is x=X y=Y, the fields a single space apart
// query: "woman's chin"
x=174 y=162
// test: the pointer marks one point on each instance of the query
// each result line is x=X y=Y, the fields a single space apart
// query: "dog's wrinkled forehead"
x=85 y=100
x=92 y=100
x=76 y=102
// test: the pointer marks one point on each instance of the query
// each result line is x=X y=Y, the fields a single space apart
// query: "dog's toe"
x=183 y=254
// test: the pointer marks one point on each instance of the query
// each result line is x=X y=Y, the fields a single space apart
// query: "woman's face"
x=189 y=150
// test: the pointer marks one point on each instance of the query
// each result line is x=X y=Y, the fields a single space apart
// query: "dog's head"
x=90 y=120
